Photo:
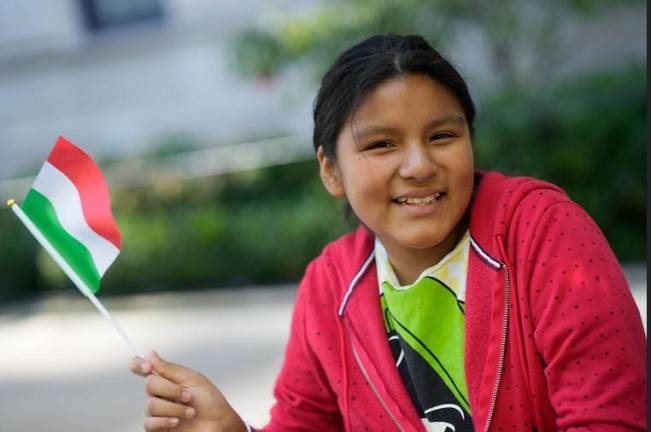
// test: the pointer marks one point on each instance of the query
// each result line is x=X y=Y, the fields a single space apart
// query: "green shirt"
x=425 y=326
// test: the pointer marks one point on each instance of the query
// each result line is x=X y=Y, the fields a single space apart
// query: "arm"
x=183 y=400
x=586 y=325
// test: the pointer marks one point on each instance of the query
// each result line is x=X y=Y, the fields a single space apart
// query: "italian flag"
x=69 y=205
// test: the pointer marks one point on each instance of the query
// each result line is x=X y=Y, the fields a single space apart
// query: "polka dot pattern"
x=573 y=312
x=575 y=354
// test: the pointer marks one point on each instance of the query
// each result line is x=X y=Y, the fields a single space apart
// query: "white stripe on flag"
x=63 y=195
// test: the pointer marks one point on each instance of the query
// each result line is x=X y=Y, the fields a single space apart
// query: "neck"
x=408 y=264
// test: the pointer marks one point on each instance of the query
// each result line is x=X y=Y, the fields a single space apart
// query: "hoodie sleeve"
x=304 y=398
x=586 y=325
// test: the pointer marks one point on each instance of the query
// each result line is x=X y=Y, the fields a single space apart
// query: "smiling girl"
x=466 y=300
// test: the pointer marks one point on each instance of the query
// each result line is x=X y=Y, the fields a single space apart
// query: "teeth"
x=419 y=201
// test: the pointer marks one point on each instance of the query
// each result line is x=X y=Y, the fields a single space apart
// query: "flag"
x=68 y=211
x=69 y=204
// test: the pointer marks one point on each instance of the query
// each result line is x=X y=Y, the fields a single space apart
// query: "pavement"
x=63 y=368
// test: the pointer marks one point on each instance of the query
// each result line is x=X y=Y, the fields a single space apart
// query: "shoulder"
x=328 y=275
x=544 y=232
x=350 y=248
x=344 y=255
x=499 y=200
x=498 y=193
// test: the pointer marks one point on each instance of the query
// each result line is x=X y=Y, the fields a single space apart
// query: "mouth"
x=419 y=201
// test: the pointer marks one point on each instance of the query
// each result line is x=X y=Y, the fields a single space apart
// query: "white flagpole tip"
x=11 y=202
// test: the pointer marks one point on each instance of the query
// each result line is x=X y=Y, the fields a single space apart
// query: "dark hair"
x=363 y=67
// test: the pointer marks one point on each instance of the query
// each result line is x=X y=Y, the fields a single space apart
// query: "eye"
x=441 y=136
x=379 y=145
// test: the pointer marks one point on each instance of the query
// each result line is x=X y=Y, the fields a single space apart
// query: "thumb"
x=172 y=371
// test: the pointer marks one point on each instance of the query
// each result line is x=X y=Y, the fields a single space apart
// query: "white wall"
x=29 y=27
x=121 y=92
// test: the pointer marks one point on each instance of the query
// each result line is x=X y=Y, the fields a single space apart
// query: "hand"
x=183 y=400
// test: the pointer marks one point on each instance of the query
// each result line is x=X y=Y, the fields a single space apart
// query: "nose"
x=417 y=163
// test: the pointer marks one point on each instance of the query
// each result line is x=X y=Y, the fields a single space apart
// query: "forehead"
x=406 y=97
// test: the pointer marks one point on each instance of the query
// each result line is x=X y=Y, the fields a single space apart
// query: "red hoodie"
x=554 y=340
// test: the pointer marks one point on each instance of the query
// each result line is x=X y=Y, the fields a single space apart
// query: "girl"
x=466 y=300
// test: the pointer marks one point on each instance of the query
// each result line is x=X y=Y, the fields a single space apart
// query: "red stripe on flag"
x=89 y=181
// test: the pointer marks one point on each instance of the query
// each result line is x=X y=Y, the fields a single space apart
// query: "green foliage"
x=315 y=39
x=253 y=227
x=586 y=135
x=513 y=28
x=17 y=259
x=257 y=53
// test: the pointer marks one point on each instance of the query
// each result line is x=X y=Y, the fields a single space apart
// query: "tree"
x=522 y=37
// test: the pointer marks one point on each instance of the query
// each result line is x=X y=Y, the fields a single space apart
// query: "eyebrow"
x=378 y=130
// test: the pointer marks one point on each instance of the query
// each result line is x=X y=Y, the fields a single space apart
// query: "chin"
x=422 y=241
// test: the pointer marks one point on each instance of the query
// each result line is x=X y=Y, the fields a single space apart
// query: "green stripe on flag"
x=41 y=212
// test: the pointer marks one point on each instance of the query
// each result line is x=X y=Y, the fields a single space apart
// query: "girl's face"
x=405 y=164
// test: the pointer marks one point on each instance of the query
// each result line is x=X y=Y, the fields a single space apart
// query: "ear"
x=330 y=175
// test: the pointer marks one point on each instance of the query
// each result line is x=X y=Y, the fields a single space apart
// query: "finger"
x=140 y=366
x=173 y=372
x=156 y=407
x=163 y=388
x=153 y=424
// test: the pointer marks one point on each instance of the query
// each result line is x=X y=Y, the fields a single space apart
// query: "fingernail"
x=145 y=367
x=189 y=413
x=174 y=422
x=186 y=396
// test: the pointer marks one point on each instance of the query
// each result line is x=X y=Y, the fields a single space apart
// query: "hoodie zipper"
x=500 y=363
x=375 y=391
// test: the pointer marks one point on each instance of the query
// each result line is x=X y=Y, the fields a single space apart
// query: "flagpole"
x=71 y=274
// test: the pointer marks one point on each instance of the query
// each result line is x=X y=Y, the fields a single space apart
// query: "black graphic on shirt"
x=432 y=398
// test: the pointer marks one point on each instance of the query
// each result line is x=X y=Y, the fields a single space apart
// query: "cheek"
x=467 y=183
x=467 y=155
x=462 y=173
x=463 y=163
x=364 y=177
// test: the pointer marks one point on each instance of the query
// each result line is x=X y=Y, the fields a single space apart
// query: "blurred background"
x=199 y=113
